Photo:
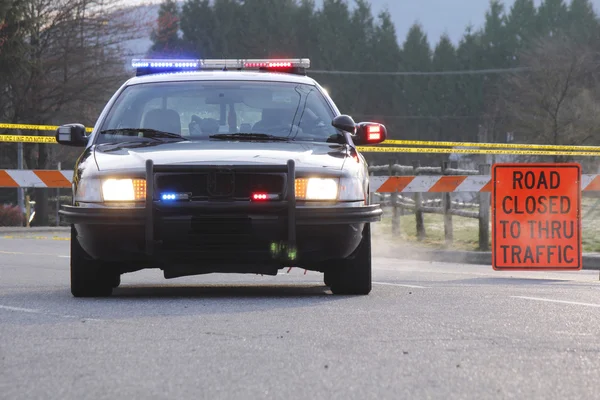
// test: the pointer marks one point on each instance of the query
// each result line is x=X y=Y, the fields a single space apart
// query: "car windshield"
x=221 y=110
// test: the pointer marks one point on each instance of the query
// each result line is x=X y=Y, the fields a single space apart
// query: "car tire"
x=89 y=278
x=116 y=280
x=352 y=276
x=327 y=277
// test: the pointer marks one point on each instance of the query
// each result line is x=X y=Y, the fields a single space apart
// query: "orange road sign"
x=536 y=222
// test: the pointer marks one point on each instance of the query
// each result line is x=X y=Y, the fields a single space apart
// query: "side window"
x=125 y=115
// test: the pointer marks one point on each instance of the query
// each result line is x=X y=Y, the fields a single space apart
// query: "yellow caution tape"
x=558 y=150
x=34 y=127
x=27 y=139
x=492 y=145
x=390 y=142
x=369 y=149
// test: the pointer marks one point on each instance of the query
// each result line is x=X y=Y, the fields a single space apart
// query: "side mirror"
x=369 y=133
x=71 y=135
x=345 y=123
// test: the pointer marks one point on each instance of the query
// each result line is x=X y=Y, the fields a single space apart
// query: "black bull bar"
x=289 y=193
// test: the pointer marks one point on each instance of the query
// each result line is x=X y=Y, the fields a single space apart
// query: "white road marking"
x=401 y=285
x=27 y=310
x=33 y=311
x=557 y=301
x=19 y=253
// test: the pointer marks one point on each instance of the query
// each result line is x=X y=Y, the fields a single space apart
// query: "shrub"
x=11 y=215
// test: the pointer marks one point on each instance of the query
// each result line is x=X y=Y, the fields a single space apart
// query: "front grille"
x=206 y=186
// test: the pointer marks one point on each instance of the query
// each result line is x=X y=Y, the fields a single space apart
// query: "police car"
x=221 y=166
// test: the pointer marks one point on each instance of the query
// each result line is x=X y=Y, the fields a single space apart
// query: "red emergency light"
x=374 y=133
x=268 y=65
x=260 y=196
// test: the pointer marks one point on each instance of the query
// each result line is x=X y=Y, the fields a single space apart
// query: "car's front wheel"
x=89 y=277
x=352 y=276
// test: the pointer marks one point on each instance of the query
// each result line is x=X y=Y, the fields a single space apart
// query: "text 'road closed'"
x=536 y=217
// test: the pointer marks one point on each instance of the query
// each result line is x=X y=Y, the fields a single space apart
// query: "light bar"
x=283 y=64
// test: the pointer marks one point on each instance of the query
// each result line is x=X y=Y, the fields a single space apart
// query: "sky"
x=440 y=16
x=436 y=16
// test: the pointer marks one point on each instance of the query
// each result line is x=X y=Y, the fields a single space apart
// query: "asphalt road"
x=428 y=330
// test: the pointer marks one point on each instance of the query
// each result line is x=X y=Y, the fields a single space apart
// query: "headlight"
x=317 y=188
x=341 y=189
x=124 y=189
x=96 y=190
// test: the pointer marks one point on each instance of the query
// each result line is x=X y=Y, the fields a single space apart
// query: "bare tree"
x=557 y=101
x=67 y=60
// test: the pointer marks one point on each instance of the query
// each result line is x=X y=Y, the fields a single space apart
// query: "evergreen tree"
x=521 y=24
x=469 y=94
x=381 y=95
x=416 y=56
x=361 y=35
x=227 y=34
x=362 y=40
x=552 y=17
x=583 y=22
x=268 y=28
x=198 y=25
x=333 y=28
x=495 y=40
x=417 y=98
x=444 y=88
x=165 y=36
x=306 y=30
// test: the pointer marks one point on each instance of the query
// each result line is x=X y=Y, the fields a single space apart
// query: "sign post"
x=536 y=222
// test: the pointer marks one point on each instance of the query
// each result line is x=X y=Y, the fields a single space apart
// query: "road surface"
x=427 y=330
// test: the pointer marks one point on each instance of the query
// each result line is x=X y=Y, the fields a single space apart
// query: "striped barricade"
x=38 y=178
x=12 y=178
x=452 y=184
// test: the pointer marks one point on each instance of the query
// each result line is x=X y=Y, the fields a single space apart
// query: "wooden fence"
x=443 y=205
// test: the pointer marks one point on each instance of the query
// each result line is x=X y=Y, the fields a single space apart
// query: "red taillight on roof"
x=374 y=133
x=268 y=65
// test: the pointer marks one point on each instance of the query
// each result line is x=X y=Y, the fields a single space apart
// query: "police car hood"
x=217 y=152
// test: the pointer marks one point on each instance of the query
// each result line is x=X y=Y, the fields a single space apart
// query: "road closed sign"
x=536 y=220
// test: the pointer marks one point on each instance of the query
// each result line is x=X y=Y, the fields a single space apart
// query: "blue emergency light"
x=168 y=196
x=154 y=66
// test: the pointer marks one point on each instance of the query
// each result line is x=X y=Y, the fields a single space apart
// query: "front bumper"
x=221 y=232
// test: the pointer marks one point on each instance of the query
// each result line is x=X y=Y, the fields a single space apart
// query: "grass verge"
x=466 y=232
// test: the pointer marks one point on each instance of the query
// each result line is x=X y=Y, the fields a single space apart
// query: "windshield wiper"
x=249 y=136
x=148 y=133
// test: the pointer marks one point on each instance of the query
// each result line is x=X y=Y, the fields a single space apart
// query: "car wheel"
x=116 y=280
x=352 y=276
x=327 y=277
x=89 y=278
